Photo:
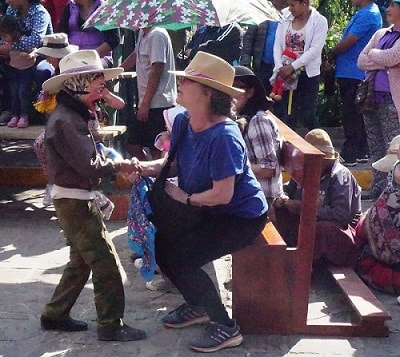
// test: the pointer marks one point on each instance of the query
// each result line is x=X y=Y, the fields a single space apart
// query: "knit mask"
x=76 y=85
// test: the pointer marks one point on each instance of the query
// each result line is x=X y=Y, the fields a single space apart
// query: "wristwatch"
x=188 y=199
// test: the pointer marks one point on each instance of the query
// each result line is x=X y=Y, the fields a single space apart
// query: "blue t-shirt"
x=363 y=24
x=268 y=55
x=215 y=154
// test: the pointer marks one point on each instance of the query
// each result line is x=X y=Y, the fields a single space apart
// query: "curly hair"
x=220 y=103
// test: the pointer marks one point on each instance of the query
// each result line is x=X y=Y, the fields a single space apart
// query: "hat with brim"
x=320 y=139
x=246 y=75
x=387 y=162
x=56 y=45
x=80 y=62
x=212 y=71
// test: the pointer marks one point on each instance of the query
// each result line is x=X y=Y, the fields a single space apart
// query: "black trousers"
x=355 y=145
x=181 y=258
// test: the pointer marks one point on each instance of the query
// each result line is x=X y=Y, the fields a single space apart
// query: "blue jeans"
x=21 y=82
x=304 y=103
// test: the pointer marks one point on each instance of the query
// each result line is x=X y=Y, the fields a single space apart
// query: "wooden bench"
x=107 y=133
x=271 y=282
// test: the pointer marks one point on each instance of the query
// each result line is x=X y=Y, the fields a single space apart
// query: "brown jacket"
x=73 y=161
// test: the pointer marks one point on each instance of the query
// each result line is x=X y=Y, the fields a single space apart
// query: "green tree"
x=338 y=14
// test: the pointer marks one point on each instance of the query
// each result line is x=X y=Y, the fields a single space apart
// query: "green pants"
x=91 y=249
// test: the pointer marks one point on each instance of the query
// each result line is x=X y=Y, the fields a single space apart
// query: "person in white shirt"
x=302 y=30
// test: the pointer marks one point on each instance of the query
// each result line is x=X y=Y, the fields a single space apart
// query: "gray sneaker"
x=5 y=118
x=185 y=315
x=216 y=337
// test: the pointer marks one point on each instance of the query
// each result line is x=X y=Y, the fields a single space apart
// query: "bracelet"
x=188 y=199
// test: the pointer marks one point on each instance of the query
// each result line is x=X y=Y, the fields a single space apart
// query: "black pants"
x=355 y=145
x=181 y=258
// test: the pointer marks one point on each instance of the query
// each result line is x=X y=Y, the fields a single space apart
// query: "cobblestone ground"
x=32 y=257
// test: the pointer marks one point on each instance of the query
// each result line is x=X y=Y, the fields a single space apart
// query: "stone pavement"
x=32 y=257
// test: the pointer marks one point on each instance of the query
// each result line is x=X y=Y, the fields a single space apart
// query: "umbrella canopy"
x=177 y=14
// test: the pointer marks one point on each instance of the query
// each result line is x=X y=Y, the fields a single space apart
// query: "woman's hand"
x=286 y=71
x=175 y=192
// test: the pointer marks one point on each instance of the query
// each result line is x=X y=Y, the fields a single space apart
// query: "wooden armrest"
x=271 y=236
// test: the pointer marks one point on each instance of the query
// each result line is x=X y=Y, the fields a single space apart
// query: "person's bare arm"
x=129 y=62
x=103 y=49
x=344 y=45
x=221 y=193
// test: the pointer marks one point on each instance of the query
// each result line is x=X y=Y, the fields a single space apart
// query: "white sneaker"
x=138 y=263
x=160 y=284
x=47 y=200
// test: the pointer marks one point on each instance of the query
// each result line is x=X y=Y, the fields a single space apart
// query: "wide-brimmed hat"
x=321 y=140
x=246 y=75
x=212 y=71
x=386 y=163
x=56 y=45
x=85 y=61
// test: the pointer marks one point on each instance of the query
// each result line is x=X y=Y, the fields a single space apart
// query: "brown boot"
x=122 y=333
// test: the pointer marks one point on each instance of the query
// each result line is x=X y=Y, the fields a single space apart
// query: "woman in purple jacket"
x=71 y=23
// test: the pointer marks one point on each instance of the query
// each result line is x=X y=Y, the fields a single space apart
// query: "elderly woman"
x=303 y=31
x=74 y=167
x=260 y=132
x=378 y=231
x=213 y=173
x=381 y=58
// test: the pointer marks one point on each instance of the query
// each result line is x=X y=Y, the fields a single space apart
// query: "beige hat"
x=321 y=140
x=56 y=45
x=212 y=71
x=85 y=61
x=387 y=162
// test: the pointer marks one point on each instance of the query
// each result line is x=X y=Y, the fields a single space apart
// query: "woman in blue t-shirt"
x=213 y=171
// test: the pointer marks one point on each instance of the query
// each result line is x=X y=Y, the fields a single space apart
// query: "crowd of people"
x=222 y=146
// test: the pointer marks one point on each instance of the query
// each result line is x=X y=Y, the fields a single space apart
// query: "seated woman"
x=260 y=132
x=378 y=231
x=35 y=23
x=213 y=172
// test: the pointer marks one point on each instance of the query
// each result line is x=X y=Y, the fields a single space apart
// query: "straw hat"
x=56 y=45
x=386 y=163
x=85 y=61
x=321 y=140
x=212 y=71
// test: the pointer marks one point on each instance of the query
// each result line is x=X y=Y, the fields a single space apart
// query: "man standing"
x=154 y=58
x=356 y=35
x=258 y=47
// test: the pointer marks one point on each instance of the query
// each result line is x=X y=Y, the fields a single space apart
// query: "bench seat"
x=271 y=282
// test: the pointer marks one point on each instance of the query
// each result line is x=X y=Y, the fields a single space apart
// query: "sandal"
x=13 y=122
x=23 y=122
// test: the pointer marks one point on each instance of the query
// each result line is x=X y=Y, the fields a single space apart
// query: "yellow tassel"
x=46 y=103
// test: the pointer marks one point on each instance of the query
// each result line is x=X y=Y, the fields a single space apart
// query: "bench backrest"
x=303 y=162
